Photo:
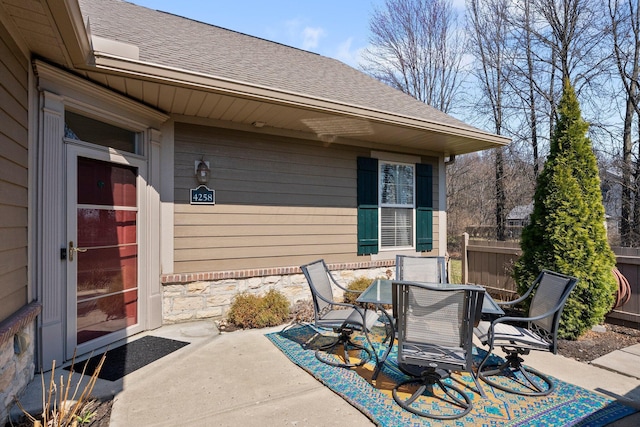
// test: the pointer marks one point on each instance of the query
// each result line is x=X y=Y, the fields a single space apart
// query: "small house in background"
x=153 y=166
x=519 y=216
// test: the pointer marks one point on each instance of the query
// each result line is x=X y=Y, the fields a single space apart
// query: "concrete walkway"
x=241 y=378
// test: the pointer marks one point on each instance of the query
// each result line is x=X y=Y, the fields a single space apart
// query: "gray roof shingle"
x=173 y=41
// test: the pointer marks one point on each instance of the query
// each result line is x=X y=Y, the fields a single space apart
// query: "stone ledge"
x=18 y=321
x=166 y=279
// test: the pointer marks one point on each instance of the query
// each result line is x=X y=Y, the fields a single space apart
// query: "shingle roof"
x=521 y=212
x=177 y=42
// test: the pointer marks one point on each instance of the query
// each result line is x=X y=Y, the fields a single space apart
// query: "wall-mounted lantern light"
x=203 y=172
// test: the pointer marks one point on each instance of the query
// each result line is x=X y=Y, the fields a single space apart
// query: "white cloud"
x=292 y=27
x=347 y=54
x=311 y=36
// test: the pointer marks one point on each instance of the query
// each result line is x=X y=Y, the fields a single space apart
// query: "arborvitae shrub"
x=566 y=232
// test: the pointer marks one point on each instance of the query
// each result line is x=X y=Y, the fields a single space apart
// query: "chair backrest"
x=421 y=269
x=435 y=324
x=319 y=279
x=551 y=291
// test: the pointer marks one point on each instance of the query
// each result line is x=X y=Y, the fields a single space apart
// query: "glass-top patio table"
x=380 y=293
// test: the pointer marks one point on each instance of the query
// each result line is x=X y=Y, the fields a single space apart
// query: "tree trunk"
x=532 y=100
x=500 y=196
x=625 y=209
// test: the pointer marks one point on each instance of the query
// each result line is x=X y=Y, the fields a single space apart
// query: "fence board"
x=490 y=263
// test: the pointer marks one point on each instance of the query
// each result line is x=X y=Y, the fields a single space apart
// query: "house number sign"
x=203 y=196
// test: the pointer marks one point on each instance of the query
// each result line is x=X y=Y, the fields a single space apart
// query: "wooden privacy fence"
x=490 y=263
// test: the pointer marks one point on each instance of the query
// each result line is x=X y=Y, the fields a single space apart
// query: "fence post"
x=465 y=259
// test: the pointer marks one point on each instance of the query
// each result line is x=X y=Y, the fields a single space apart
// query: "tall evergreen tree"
x=567 y=232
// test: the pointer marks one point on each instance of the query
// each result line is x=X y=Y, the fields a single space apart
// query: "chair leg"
x=525 y=381
x=478 y=386
x=426 y=383
x=344 y=340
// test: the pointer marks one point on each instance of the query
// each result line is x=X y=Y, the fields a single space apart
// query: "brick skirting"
x=261 y=272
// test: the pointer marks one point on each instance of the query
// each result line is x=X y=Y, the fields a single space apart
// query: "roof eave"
x=174 y=76
x=70 y=24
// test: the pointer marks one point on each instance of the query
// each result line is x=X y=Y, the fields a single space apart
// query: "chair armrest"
x=516 y=301
x=505 y=319
x=509 y=303
x=523 y=297
x=344 y=289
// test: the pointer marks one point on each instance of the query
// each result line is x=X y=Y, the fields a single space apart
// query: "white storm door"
x=104 y=296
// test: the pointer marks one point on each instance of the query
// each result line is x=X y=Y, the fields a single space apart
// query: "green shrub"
x=253 y=311
x=566 y=232
x=359 y=284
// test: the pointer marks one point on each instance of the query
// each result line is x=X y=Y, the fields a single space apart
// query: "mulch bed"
x=594 y=344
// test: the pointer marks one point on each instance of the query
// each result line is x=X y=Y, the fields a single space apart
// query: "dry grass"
x=455 y=271
x=65 y=404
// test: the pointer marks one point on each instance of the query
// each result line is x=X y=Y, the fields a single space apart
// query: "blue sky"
x=335 y=28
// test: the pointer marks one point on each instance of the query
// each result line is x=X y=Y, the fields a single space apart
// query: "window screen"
x=397 y=203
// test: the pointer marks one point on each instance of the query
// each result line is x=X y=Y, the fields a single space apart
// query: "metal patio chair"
x=431 y=269
x=427 y=269
x=342 y=318
x=517 y=336
x=435 y=337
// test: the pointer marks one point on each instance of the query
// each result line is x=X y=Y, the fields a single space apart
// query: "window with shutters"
x=396 y=205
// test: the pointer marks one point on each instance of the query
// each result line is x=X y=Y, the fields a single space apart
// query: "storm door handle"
x=73 y=249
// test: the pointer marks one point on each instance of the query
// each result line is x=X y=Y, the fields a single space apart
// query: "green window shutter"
x=424 y=207
x=367 y=206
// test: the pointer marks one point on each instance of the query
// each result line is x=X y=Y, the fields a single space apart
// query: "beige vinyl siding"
x=436 y=234
x=13 y=176
x=279 y=201
x=436 y=212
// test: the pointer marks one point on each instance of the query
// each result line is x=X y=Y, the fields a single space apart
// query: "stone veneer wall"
x=17 y=350
x=194 y=296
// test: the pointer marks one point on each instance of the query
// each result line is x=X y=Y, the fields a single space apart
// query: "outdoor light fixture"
x=203 y=173
x=258 y=124
x=202 y=195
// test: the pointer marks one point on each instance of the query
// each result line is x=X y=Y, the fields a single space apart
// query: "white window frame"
x=412 y=207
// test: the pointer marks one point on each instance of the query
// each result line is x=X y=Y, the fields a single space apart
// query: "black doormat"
x=129 y=357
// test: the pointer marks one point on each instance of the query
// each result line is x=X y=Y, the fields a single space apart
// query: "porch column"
x=50 y=234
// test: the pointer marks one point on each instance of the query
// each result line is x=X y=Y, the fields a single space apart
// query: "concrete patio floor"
x=241 y=378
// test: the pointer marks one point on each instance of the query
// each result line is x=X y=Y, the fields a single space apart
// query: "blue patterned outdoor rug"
x=568 y=405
